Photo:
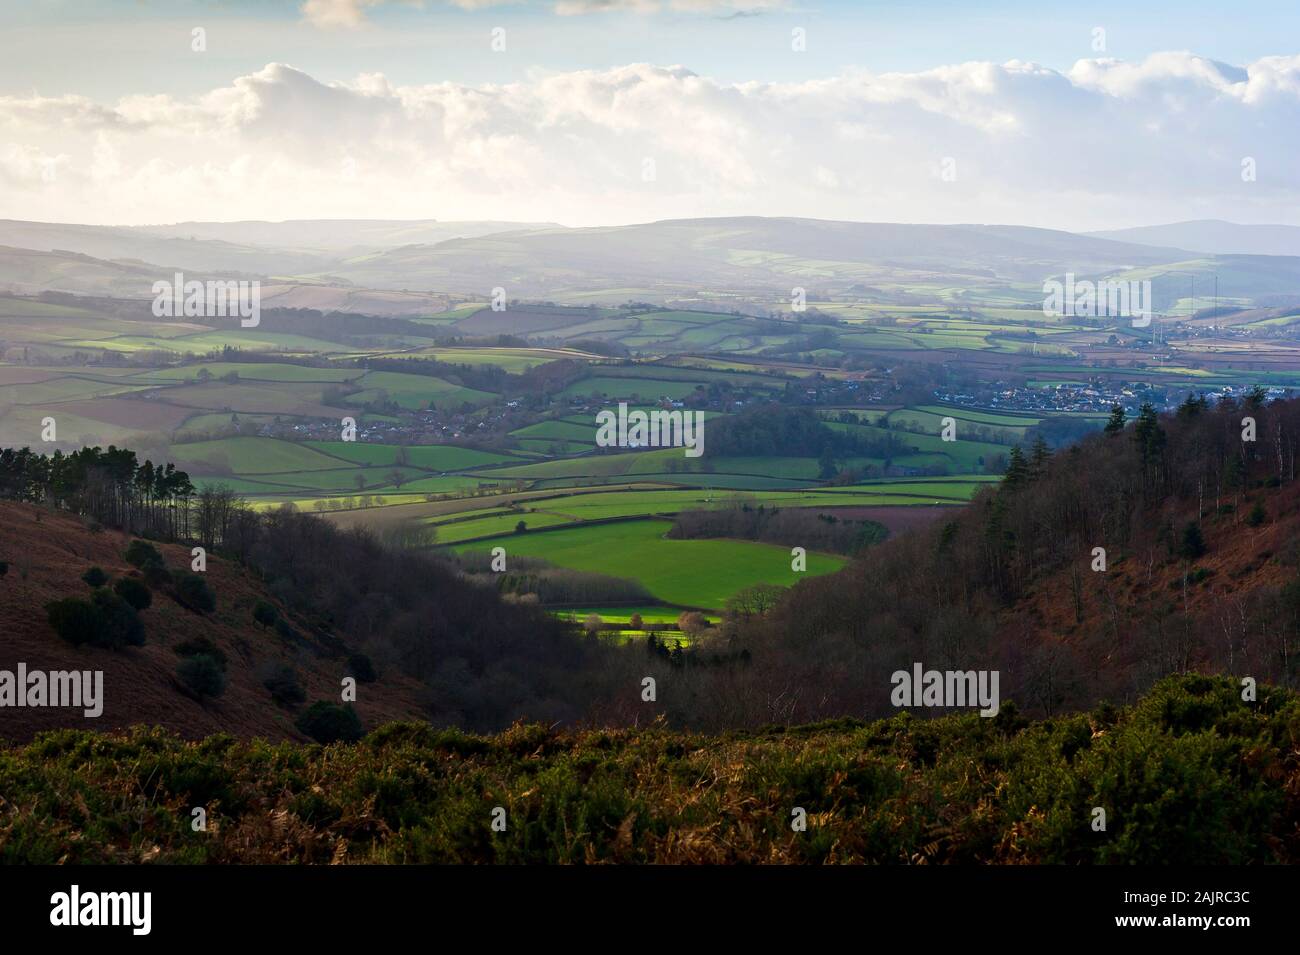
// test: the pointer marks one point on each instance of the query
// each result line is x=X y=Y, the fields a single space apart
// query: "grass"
x=430 y=457
x=248 y=455
x=693 y=573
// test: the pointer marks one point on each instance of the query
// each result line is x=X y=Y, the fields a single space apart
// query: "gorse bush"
x=95 y=577
x=105 y=620
x=362 y=668
x=133 y=592
x=139 y=553
x=330 y=723
x=1190 y=775
x=201 y=646
x=203 y=675
x=193 y=592
x=285 y=689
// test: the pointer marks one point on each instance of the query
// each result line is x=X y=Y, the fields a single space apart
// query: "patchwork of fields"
x=260 y=411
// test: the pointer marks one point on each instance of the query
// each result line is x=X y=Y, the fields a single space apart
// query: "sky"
x=599 y=112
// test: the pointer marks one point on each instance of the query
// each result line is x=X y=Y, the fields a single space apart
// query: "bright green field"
x=695 y=573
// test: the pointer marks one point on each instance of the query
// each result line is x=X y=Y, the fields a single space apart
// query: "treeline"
x=790 y=527
x=111 y=486
x=783 y=431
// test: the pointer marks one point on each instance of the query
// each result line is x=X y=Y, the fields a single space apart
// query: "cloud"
x=1104 y=143
x=350 y=14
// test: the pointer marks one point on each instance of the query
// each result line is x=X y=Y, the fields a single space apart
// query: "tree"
x=692 y=623
x=593 y=623
x=520 y=527
x=635 y=623
x=826 y=463
x=1257 y=515
x=1193 y=544
x=396 y=477
x=1116 y=424
x=265 y=613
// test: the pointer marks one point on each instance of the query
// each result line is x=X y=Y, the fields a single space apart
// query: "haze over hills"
x=751 y=261
x=1213 y=236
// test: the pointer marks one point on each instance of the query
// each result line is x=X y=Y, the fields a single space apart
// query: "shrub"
x=1257 y=515
x=139 y=553
x=265 y=613
x=156 y=574
x=362 y=668
x=4 y=567
x=201 y=646
x=133 y=592
x=95 y=577
x=119 y=625
x=202 y=674
x=330 y=723
x=193 y=591
x=284 y=686
x=284 y=630
x=73 y=619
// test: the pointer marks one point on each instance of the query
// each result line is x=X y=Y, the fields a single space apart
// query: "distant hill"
x=747 y=252
x=1213 y=236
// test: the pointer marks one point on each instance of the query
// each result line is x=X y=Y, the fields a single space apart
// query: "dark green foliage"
x=119 y=625
x=133 y=592
x=73 y=619
x=521 y=527
x=285 y=689
x=193 y=592
x=362 y=668
x=1258 y=515
x=284 y=629
x=4 y=568
x=139 y=553
x=1115 y=423
x=1191 y=775
x=200 y=645
x=95 y=577
x=330 y=723
x=156 y=574
x=1192 y=544
x=105 y=620
x=203 y=675
x=265 y=613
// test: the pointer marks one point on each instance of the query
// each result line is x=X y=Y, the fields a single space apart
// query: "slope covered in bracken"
x=48 y=552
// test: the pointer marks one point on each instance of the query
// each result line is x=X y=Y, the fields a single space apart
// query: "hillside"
x=1190 y=775
x=47 y=553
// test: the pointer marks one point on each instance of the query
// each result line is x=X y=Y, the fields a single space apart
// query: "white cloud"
x=1104 y=143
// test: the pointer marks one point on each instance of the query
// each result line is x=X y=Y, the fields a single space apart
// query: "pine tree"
x=1115 y=425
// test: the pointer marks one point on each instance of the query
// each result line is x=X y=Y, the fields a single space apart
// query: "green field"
x=694 y=573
